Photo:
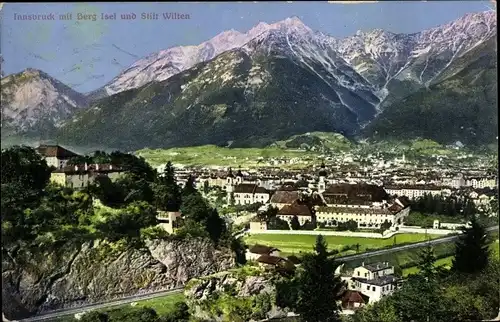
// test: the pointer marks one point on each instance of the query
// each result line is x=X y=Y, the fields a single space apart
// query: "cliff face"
x=37 y=282
x=237 y=295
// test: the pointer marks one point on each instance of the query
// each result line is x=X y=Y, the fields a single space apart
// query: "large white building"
x=245 y=193
x=415 y=191
x=367 y=204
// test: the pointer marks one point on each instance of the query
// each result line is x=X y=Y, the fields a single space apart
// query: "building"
x=244 y=193
x=353 y=300
x=302 y=212
x=81 y=176
x=282 y=198
x=374 y=280
x=275 y=262
x=247 y=194
x=365 y=217
x=361 y=194
x=255 y=251
x=415 y=191
x=55 y=155
x=257 y=224
x=486 y=182
x=168 y=220
x=367 y=204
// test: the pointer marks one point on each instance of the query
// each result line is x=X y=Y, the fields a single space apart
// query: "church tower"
x=322 y=178
x=229 y=185
x=239 y=176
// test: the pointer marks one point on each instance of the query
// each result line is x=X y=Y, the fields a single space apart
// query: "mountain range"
x=275 y=81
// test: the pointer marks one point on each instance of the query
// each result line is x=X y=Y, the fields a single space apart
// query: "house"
x=376 y=288
x=55 y=155
x=257 y=250
x=302 y=211
x=282 y=198
x=353 y=300
x=81 y=176
x=275 y=262
x=168 y=220
x=372 y=271
x=374 y=280
x=258 y=224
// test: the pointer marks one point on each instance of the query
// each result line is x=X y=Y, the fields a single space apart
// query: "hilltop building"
x=55 y=155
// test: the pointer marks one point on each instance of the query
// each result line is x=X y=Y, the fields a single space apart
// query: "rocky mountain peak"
x=32 y=97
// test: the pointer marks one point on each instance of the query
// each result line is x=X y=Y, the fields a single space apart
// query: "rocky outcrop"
x=37 y=282
x=237 y=295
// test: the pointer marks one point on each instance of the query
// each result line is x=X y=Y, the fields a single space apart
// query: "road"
x=72 y=311
x=104 y=305
x=349 y=258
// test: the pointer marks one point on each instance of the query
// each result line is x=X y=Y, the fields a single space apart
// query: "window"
x=368 y=287
x=373 y=288
x=359 y=273
x=366 y=274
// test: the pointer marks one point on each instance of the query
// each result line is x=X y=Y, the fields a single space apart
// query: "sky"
x=86 y=54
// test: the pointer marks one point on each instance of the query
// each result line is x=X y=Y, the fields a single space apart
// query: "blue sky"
x=88 y=54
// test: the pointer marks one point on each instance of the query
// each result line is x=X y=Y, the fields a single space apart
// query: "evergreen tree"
x=471 y=250
x=167 y=194
x=189 y=188
x=206 y=187
x=294 y=223
x=318 y=287
x=427 y=263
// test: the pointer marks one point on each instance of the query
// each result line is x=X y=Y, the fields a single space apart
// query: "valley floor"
x=297 y=244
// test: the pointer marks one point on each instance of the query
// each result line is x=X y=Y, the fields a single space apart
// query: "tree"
x=136 y=166
x=382 y=310
x=238 y=247
x=215 y=226
x=385 y=225
x=167 y=194
x=129 y=222
x=195 y=207
x=189 y=188
x=294 y=223
x=318 y=287
x=471 y=249
x=206 y=187
x=427 y=263
x=411 y=305
x=180 y=313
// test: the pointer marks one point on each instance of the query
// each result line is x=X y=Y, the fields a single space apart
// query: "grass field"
x=161 y=305
x=218 y=156
x=442 y=262
x=296 y=244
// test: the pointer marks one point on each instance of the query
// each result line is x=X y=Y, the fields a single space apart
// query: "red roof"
x=295 y=209
x=55 y=151
x=350 y=297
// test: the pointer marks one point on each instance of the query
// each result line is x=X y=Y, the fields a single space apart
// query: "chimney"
x=97 y=167
x=76 y=168
x=363 y=264
x=86 y=166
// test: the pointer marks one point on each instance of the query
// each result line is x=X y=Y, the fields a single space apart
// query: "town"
x=368 y=202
